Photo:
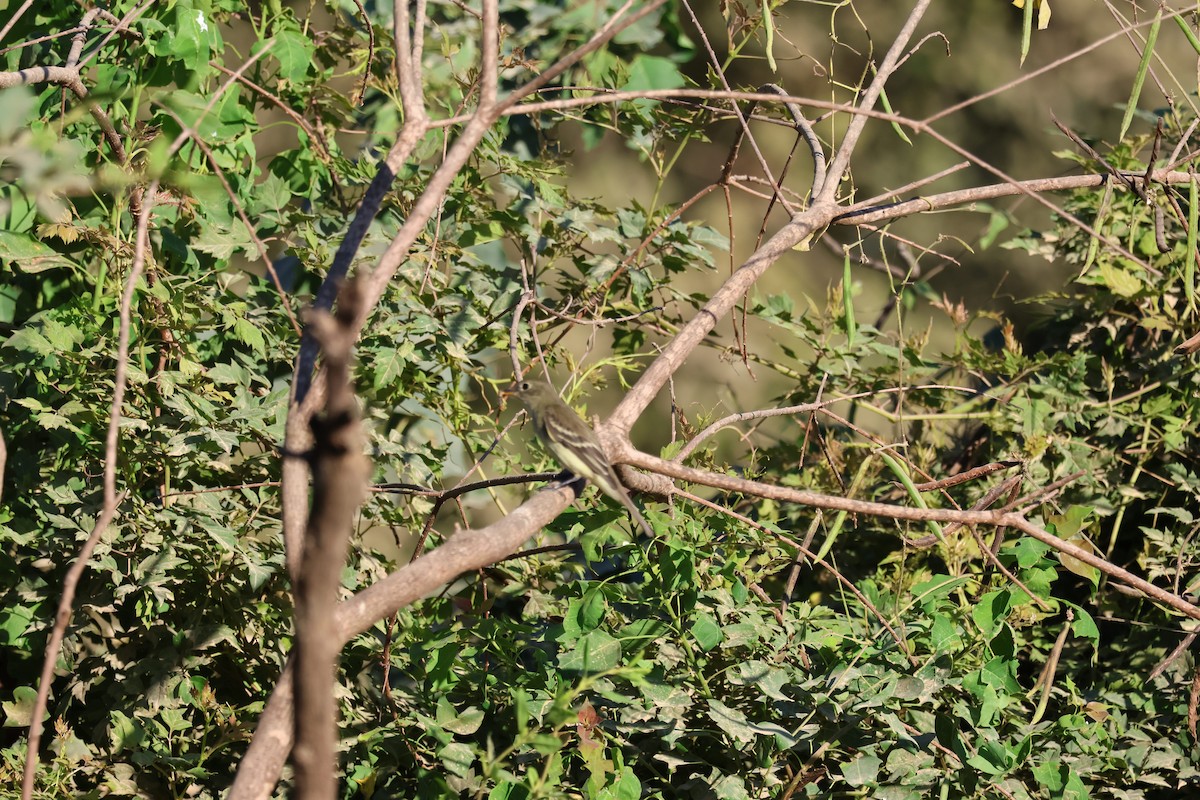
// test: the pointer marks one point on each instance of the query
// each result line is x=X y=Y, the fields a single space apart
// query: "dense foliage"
x=754 y=648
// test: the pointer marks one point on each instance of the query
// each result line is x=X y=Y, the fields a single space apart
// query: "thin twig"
x=62 y=617
x=20 y=12
x=818 y=405
x=805 y=129
x=259 y=244
x=1175 y=653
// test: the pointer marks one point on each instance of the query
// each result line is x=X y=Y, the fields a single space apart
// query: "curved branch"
x=805 y=129
x=68 y=78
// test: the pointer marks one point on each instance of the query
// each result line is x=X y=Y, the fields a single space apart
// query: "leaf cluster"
x=753 y=648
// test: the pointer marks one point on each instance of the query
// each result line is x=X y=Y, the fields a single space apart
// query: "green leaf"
x=998 y=222
x=730 y=720
x=862 y=771
x=272 y=194
x=30 y=255
x=14 y=623
x=929 y=593
x=192 y=41
x=390 y=363
x=223 y=241
x=991 y=610
x=124 y=732
x=1085 y=626
x=584 y=614
x=248 y=333
x=458 y=758
x=948 y=735
x=1070 y=523
x=1029 y=551
x=594 y=652
x=508 y=790
x=992 y=759
x=767 y=679
x=294 y=52
x=730 y=787
x=225 y=537
x=626 y=786
x=944 y=636
x=463 y=723
x=651 y=72
x=705 y=631
x=1120 y=281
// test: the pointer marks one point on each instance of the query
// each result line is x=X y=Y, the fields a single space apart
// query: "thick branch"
x=340 y=472
x=69 y=78
x=806 y=224
x=463 y=552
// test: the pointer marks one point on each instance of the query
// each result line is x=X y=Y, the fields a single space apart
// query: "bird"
x=573 y=443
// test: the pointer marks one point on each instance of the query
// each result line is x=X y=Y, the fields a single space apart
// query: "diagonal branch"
x=841 y=159
x=993 y=518
x=62 y=617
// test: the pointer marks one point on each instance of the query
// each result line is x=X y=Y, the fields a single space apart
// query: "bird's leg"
x=568 y=478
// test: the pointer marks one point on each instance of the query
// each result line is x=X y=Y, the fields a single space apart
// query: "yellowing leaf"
x=1120 y=281
x=1075 y=565
x=1043 y=9
x=65 y=233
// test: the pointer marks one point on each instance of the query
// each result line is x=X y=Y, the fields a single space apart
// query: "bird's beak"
x=1189 y=346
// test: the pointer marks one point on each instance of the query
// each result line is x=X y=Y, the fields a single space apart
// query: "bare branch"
x=408 y=62
x=805 y=129
x=20 y=12
x=841 y=159
x=465 y=551
x=489 y=78
x=66 y=603
x=340 y=472
x=68 y=78
x=993 y=518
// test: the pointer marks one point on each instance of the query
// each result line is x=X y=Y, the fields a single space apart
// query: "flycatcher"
x=573 y=443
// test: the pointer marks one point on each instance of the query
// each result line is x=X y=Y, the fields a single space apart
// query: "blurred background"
x=965 y=50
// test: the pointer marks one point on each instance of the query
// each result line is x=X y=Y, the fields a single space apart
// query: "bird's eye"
x=524 y=387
